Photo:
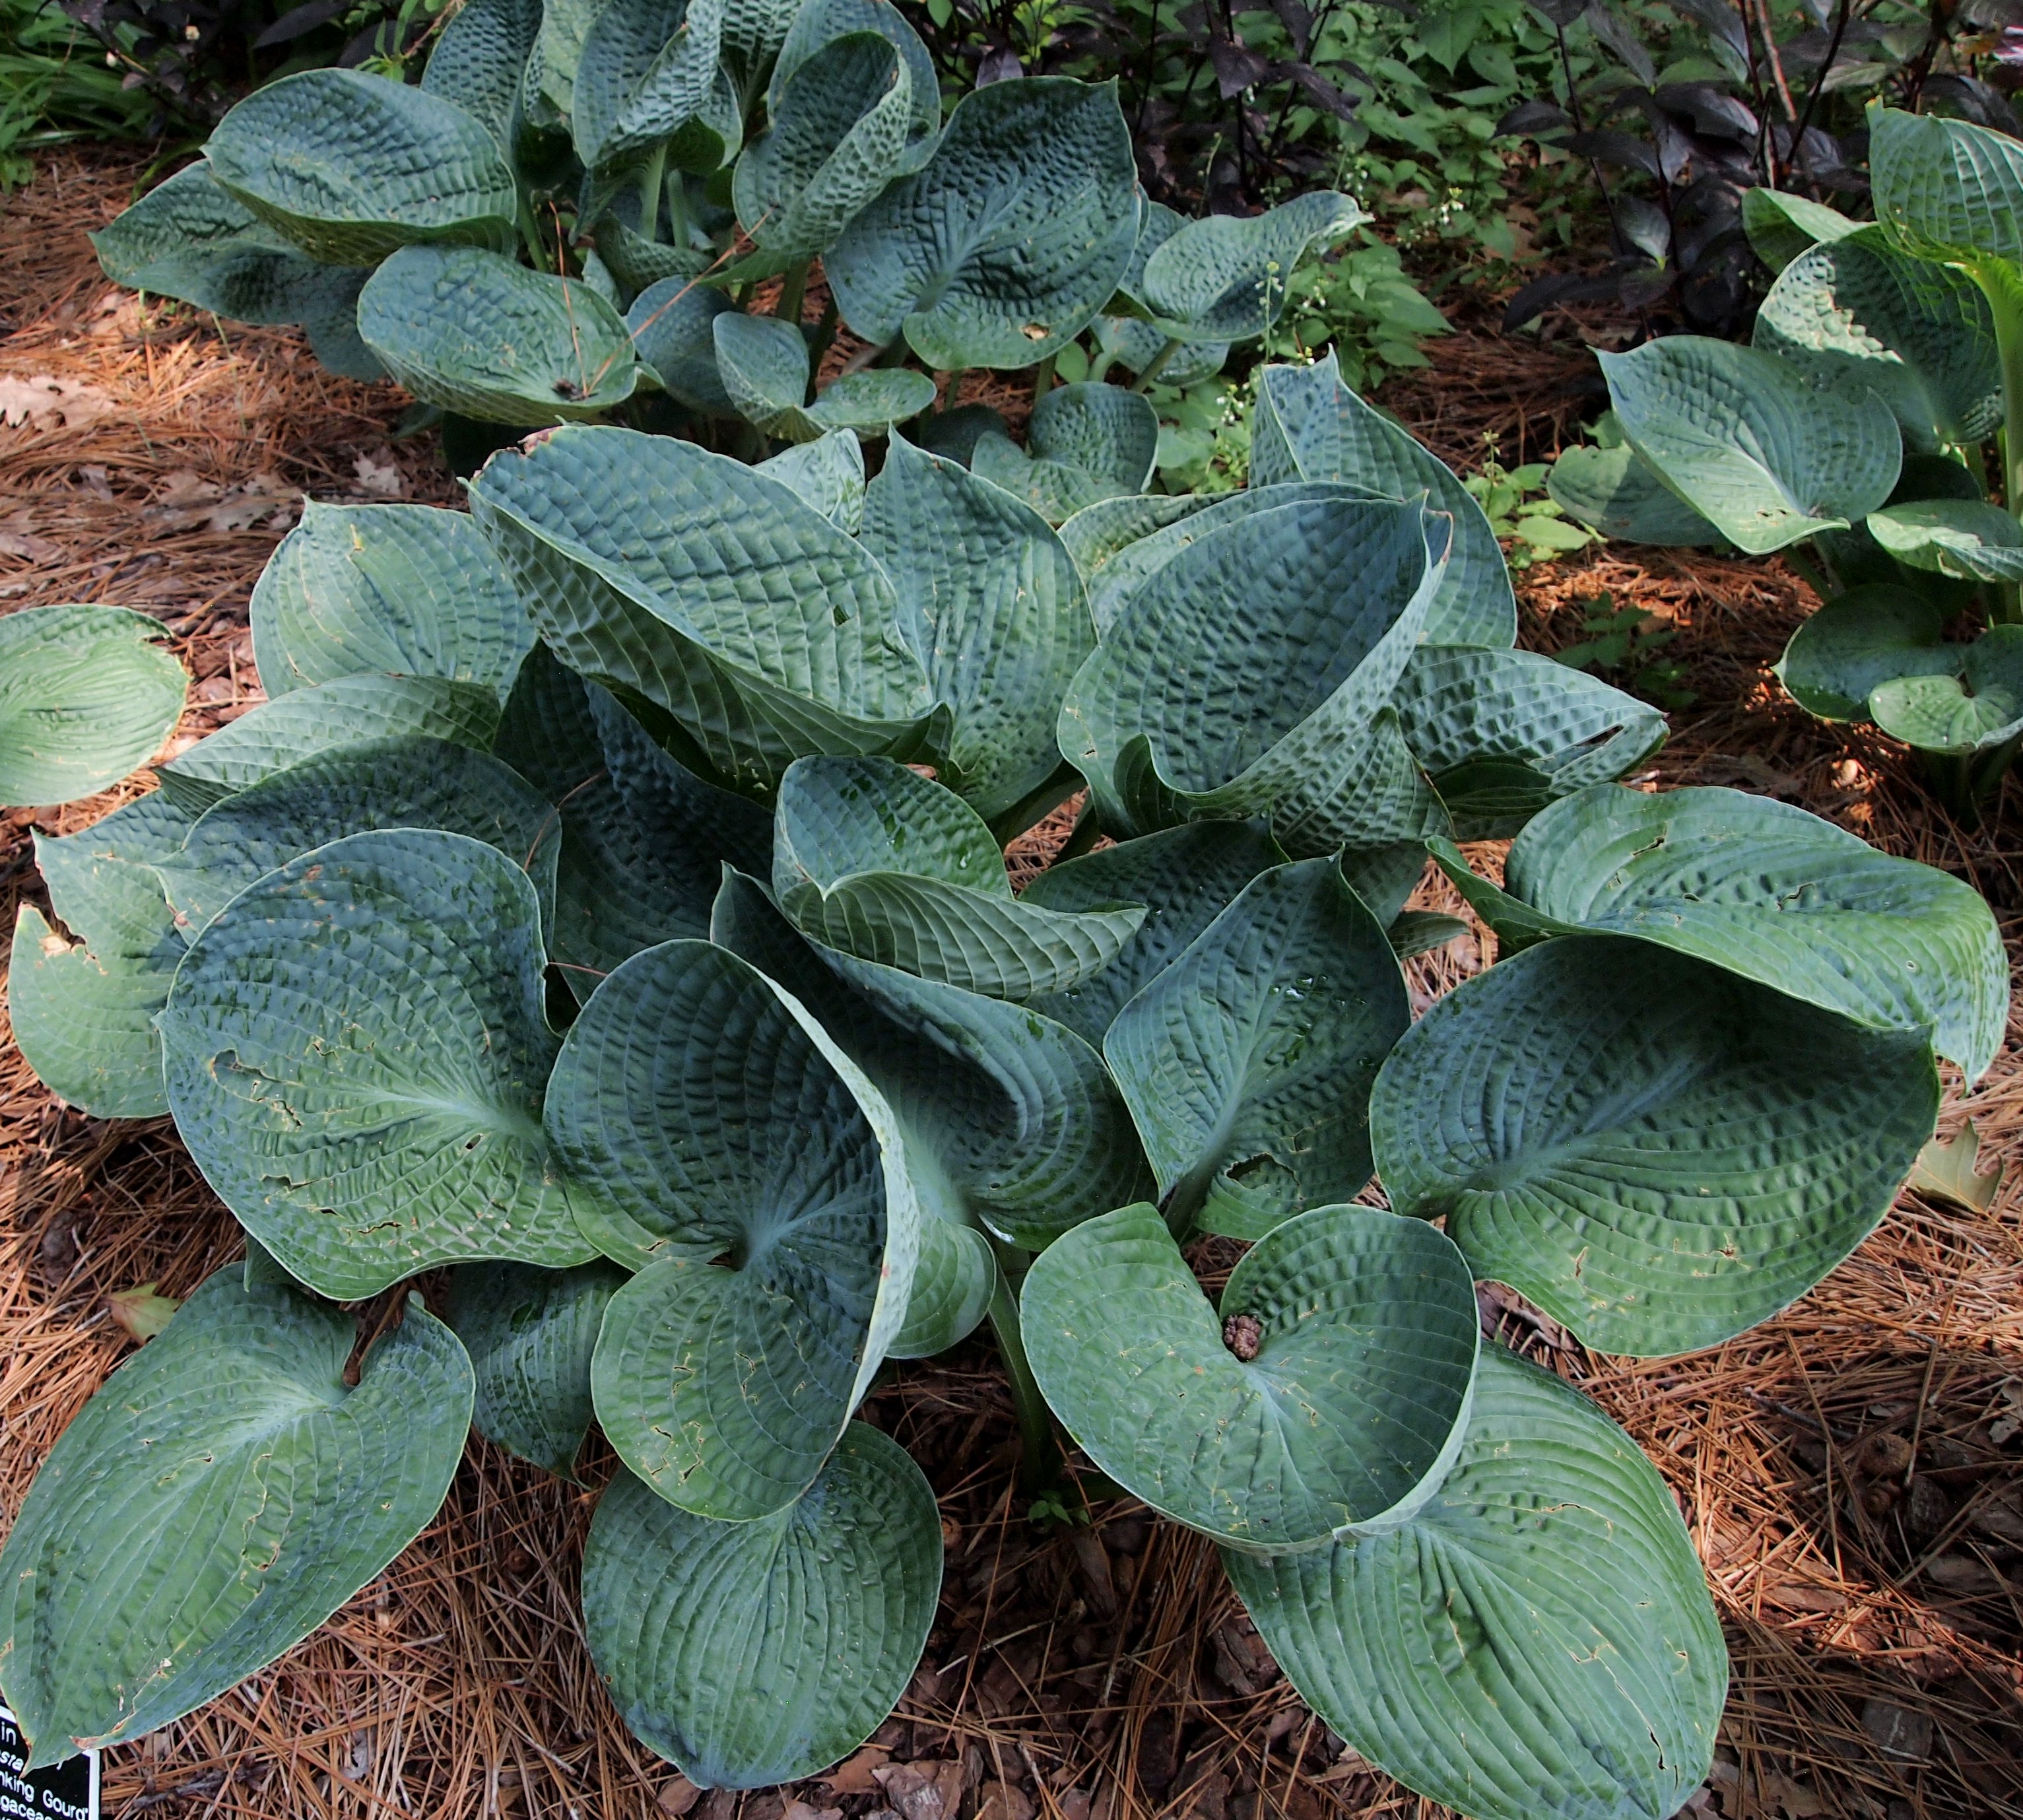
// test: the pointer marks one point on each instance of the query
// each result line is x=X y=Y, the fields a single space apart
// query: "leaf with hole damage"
x=86 y=693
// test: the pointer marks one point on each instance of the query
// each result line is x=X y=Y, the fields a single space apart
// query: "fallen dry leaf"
x=858 y=1774
x=45 y=403
x=381 y=478
x=142 y=1312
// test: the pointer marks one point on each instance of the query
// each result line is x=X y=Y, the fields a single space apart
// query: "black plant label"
x=65 y=1791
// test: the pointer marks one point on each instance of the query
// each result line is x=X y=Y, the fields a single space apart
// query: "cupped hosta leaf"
x=1247 y=1063
x=1536 y=1644
x=672 y=322
x=817 y=24
x=829 y=474
x=1781 y=226
x=220 y=1497
x=1309 y=426
x=1001 y=250
x=755 y=33
x=305 y=722
x=712 y=590
x=1185 y=876
x=644 y=839
x=1969 y=540
x=763 y=362
x=1011 y=1122
x=480 y=336
x=83 y=1012
x=1056 y=490
x=412 y=782
x=1658 y=1153
x=636 y=264
x=718 y=1122
x=1135 y=344
x=644 y=80
x=1504 y=733
x=1329 y=1388
x=1948 y=190
x=1254 y=677
x=1979 y=707
x=480 y=61
x=1765 y=890
x=1106 y=431
x=1613 y=491
x=530 y=1332
x=1743 y=436
x=1225 y=278
x=1856 y=313
x=754 y=1654
x=86 y=693
x=351 y=167
x=875 y=860
x=407 y=590
x=953 y=1282
x=355 y=1052
x=1860 y=639
x=869 y=403
x=1098 y=534
x=989 y=596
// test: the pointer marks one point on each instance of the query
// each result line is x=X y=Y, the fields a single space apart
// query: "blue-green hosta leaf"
x=1977 y=707
x=1247 y=1063
x=1134 y=344
x=763 y=363
x=480 y=336
x=350 y=167
x=1328 y=1390
x=215 y=1502
x=1860 y=639
x=712 y=590
x=953 y=435
x=1309 y=426
x=1056 y=490
x=83 y=1012
x=1185 y=876
x=328 y=310
x=548 y=92
x=1613 y=491
x=1106 y=431
x=1097 y=534
x=1948 y=190
x=637 y=264
x=1781 y=226
x=1856 y=314
x=1504 y=733
x=1253 y=678
x=355 y=1051
x=530 y=1332
x=406 y=589
x=1765 y=890
x=875 y=860
x=480 y=62
x=754 y=1654
x=86 y=693
x=305 y=722
x=954 y=1281
x=643 y=80
x=644 y=839
x=1537 y=1643
x=1003 y=247
x=1225 y=278
x=829 y=474
x=1657 y=1152
x=718 y=1122
x=816 y=24
x=990 y=598
x=411 y=781
x=754 y=35
x=1011 y=1122
x=1742 y=436
x=1969 y=540
x=673 y=325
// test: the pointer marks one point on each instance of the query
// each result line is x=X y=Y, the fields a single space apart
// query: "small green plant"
x=55 y=88
x=1627 y=643
x=1533 y=525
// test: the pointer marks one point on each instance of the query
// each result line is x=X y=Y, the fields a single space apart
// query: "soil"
x=1851 y=1472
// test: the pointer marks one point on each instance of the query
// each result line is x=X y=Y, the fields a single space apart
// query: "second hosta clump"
x=610 y=904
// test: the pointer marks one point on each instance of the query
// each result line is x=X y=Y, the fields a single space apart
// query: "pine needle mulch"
x=1852 y=1472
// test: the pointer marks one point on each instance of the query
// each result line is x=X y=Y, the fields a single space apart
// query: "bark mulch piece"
x=1853 y=1472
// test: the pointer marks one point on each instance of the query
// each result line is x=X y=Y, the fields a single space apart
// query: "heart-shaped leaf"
x=673 y=324
x=350 y=167
x=1765 y=890
x=1614 y=491
x=530 y=1334
x=754 y=1654
x=86 y=693
x=407 y=590
x=1860 y=639
x=219 y=1498
x=1949 y=190
x=1328 y=1390
x=763 y=363
x=1968 y=540
x=714 y=591
x=1225 y=278
x=644 y=81
x=1742 y=438
x=1658 y=1153
x=355 y=1051
x=1977 y=708
x=718 y=1123
x=875 y=860
x=305 y=722
x=1309 y=426
x=1537 y=1643
x=829 y=474
x=1247 y=1063
x=475 y=333
x=480 y=62
x=1003 y=247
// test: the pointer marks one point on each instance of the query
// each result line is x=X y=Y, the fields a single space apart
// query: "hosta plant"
x=566 y=219
x=600 y=946
x=1877 y=420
